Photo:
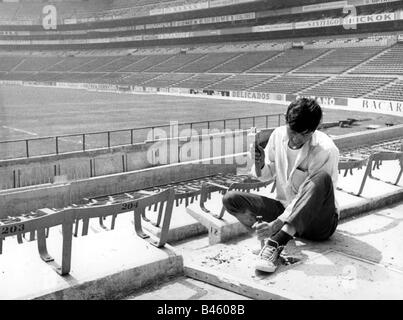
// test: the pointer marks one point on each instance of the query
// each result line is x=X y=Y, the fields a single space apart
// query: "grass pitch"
x=33 y=112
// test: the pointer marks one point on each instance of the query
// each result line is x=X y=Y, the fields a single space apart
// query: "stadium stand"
x=287 y=61
x=167 y=80
x=44 y=76
x=240 y=82
x=17 y=76
x=202 y=80
x=117 y=64
x=288 y=84
x=349 y=87
x=145 y=62
x=208 y=62
x=175 y=63
x=339 y=60
x=318 y=61
x=32 y=64
x=97 y=63
x=222 y=70
x=8 y=63
x=139 y=78
x=244 y=62
x=91 y=9
x=358 y=41
x=28 y=11
x=389 y=62
x=247 y=67
x=392 y=92
x=69 y=64
x=80 y=77
x=113 y=77
x=7 y=12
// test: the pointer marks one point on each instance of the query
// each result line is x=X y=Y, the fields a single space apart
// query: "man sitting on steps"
x=304 y=162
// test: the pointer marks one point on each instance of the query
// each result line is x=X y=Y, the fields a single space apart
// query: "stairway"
x=261 y=63
x=379 y=54
x=312 y=61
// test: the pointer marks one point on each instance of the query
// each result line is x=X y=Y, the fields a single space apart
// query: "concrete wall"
x=370 y=137
x=17 y=201
x=80 y=165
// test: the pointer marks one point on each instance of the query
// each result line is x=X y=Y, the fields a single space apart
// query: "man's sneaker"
x=269 y=257
x=256 y=251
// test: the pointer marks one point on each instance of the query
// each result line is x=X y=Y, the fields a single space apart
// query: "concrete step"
x=361 y=260
x=106 y=265
x=115 y=264
x=184 y=288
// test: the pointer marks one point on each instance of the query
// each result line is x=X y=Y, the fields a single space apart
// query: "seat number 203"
x=12 y=229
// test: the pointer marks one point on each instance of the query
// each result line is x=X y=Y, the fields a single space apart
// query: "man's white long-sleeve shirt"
x=318 y=154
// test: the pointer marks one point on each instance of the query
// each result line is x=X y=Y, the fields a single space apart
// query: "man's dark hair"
x=304 y=115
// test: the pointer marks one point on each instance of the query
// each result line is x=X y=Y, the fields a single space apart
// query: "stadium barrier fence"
x=54 y=145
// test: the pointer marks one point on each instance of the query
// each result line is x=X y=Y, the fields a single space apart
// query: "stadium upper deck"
x=220 y=21
x=79 y=11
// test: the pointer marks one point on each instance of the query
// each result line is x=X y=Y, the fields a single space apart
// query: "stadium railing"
x=54 y=145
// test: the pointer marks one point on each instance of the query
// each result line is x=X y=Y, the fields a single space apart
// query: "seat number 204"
x=129 y=205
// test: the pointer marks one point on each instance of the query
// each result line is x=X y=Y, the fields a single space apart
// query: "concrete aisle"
x=362 y=260
x=184 y=288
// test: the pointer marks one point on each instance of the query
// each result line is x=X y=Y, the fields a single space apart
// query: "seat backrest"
x=107 y=209
x=41 y=219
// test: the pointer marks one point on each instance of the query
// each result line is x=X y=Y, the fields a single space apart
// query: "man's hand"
x=265 y=230
x=257 y=153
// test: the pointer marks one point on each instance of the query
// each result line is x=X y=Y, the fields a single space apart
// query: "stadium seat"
x=390 y=62
x=339 y=60
x=349 y=87
x=40 y=221
x=289 y=60
x=392 y=92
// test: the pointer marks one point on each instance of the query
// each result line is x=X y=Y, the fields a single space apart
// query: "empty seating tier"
x=201 y=81
x=8 y=11
x=288 y=84
x=393 y=92
x=349 y=87
x=339 y=60
x=240 y=82
x=69 y=64
x=175 y=63
x=118 y=64
x=8 y=63
x=97 y=63
x=208 y=62
x=390 y=62
x=143 y=63
x=289 y=60
x=79 y=77
x=42 y=76
x=245 y=61
x=33 y=64
x=168 y=80
x=113 y=77
x=138 y=78
x=20 y=76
